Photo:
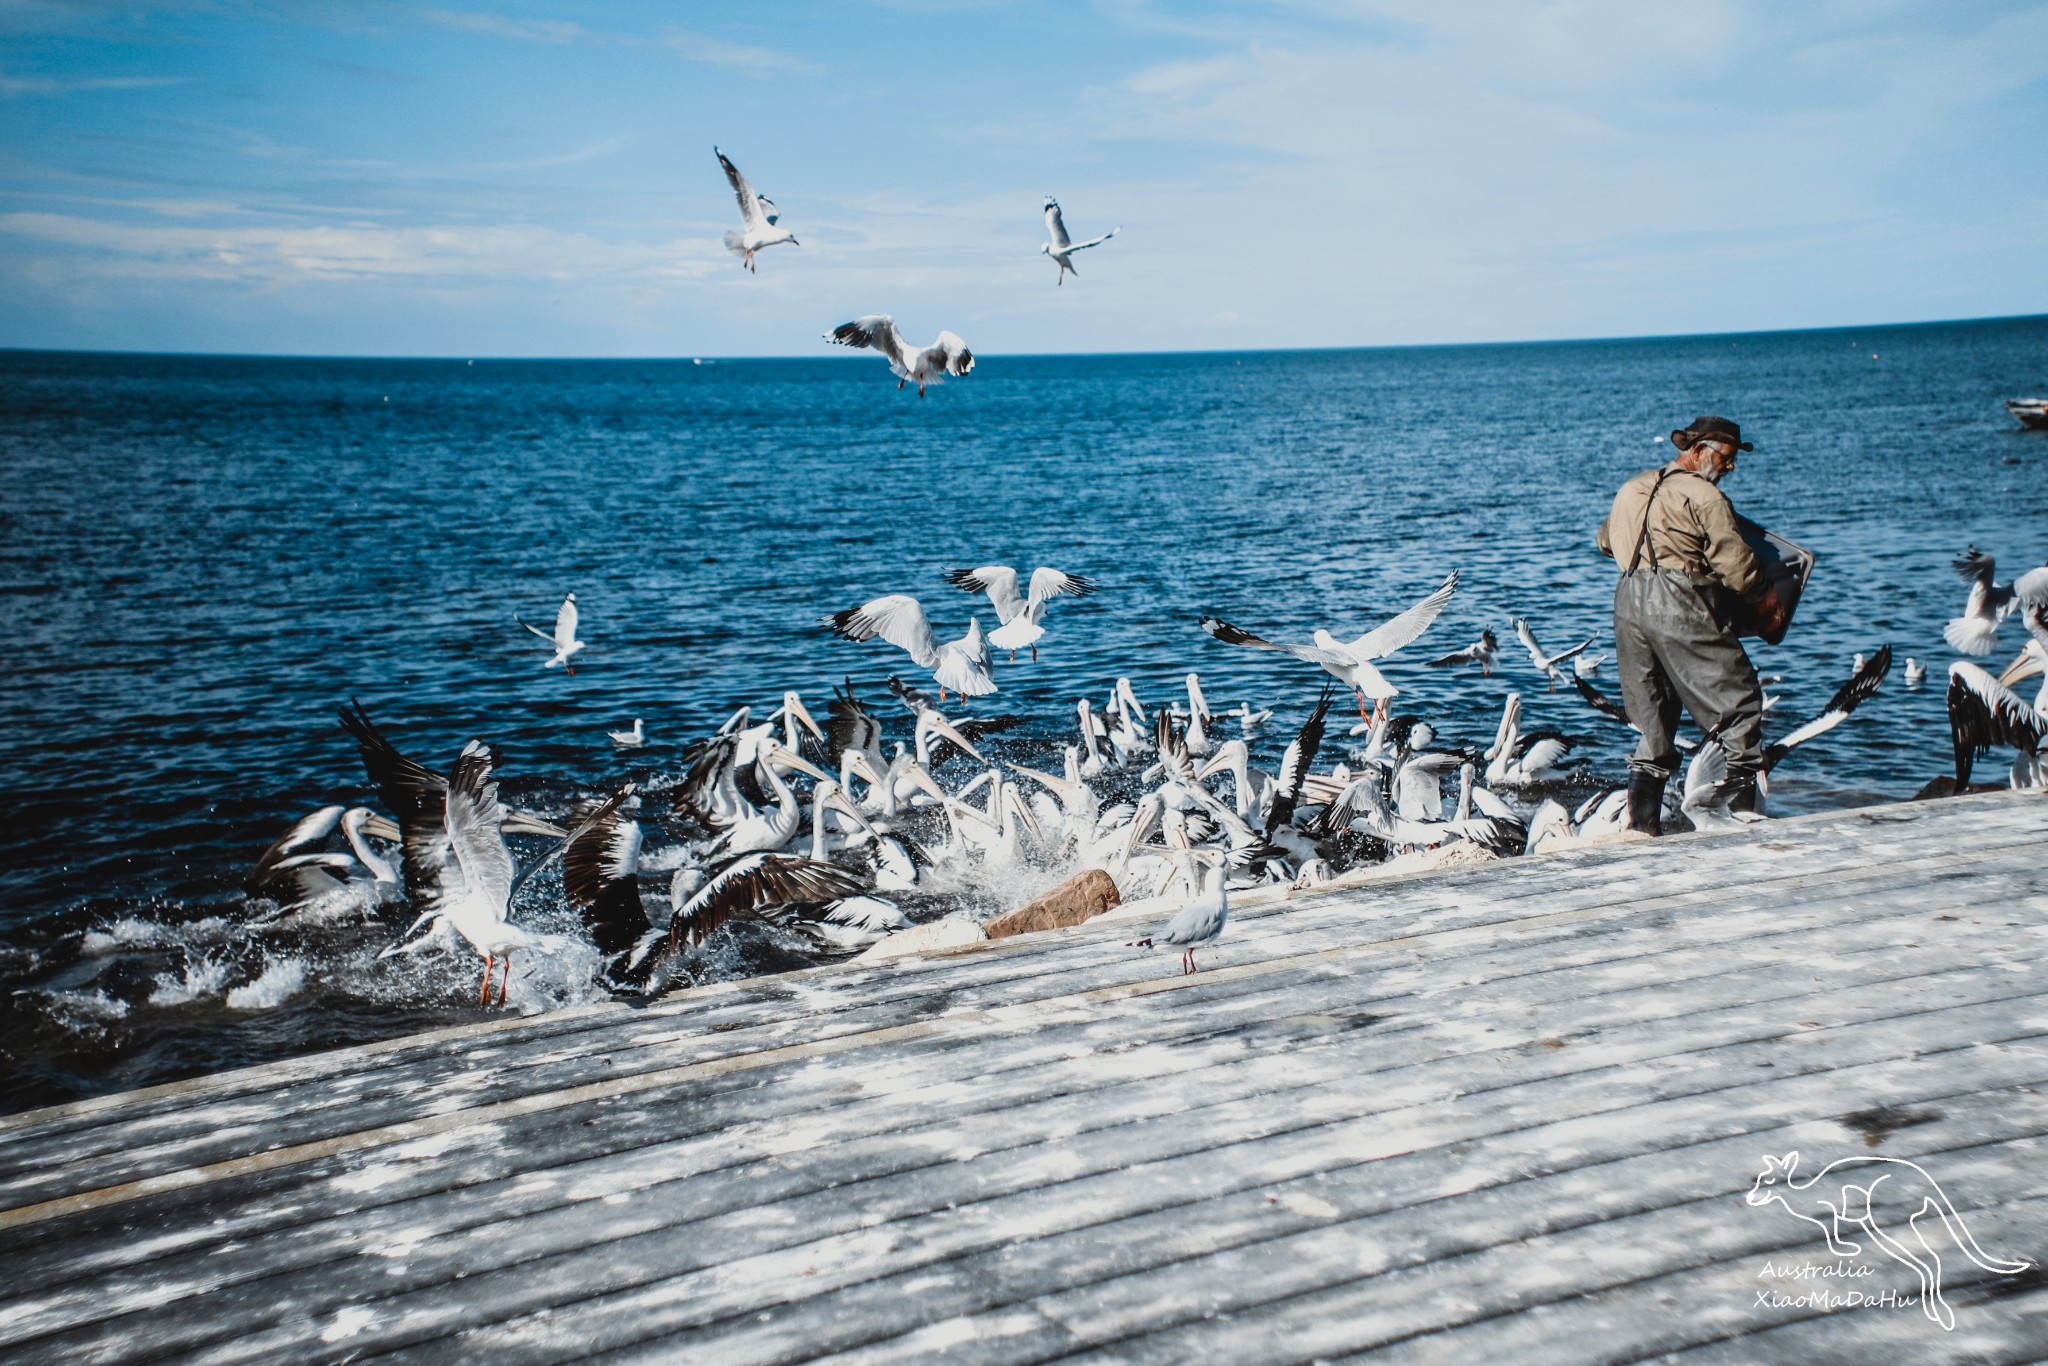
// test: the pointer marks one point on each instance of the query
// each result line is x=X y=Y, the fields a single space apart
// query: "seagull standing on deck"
x=564 y=638
x=1350 y=662
x=1062 y=247
x=877 y=332
x=757 y=218
x=1199 y=922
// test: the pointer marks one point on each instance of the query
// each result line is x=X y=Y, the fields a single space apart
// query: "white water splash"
x=282 y=979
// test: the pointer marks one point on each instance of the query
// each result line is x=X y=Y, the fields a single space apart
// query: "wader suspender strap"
x=1643 y=539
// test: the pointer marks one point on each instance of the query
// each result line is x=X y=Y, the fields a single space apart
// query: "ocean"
x=204 y=557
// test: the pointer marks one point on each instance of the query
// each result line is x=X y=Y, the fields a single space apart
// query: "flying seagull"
x=1350 y=662
x=877 y=332
x=757 y=218
x=1062 y=247
x=1019 y=615
x=962 y=665
x=564 y=638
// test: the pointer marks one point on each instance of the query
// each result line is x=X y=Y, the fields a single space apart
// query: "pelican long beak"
x=933 y=721
x=793 y=706
x=1057 y=785
x=837 y=801
x=382 y=828
x=2030 y=662
x=776 y=754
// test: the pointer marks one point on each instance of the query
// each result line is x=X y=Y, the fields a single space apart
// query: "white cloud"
x=741 y=57
x=19 y=86
x=551 y=31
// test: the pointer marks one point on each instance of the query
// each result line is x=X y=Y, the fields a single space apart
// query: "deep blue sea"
x=202 y=557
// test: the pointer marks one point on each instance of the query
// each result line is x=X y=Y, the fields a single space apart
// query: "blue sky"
x=358 y=177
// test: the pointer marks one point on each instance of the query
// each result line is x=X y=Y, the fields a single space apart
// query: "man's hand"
x=1771 y=612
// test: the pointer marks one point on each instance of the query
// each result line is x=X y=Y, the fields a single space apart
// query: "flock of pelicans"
x=812 y=827
x=761 y=228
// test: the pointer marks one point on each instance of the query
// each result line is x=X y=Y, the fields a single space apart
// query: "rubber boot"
x=1742 y=793
x=1646 y=801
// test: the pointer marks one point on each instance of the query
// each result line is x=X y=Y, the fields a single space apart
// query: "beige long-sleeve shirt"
x=1691 y=527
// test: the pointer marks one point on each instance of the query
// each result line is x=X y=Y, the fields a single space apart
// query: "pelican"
x=1062 y=247
x=1019 y=616
x=962 y=665
x=758 y=216
x=601 y=878
x=747 y=884
x=1984 y=711
x=1518 y=760
x=877 y=331
x=767 y=831
x=1198 y=742
x=563 y=640
x=1546 y=664
x=299 y=867
x=1351 y=662
x=1485 y=652
x=1092 y=729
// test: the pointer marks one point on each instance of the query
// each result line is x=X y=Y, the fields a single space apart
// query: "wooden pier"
x=1507 y=1112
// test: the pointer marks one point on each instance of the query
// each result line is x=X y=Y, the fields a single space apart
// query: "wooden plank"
x=1049 y=1115
x=254 y=1126
x=1049 y=1188
x=1535 y=879
x=969 y=1065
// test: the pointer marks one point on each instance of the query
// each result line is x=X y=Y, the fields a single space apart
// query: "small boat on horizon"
x=2032 y=412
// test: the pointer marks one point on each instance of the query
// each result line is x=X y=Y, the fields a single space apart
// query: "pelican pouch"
x=1787 y=564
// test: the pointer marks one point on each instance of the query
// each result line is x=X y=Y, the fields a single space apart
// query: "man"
x=1683 y=565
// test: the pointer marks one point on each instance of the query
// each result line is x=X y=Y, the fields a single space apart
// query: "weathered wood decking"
x=1502 y=1113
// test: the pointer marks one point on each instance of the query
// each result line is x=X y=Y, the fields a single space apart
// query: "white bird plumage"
x=926 y=365
x=1062 y=247
x=1019 y=616
x=962 y=665
x=563 y=638
x=758 y=227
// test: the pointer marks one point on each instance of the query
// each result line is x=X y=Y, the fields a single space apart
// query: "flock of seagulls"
x=760 y=228
x=834 y=832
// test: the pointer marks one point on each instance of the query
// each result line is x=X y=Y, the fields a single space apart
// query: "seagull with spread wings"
x=1062 y=247
x=563 y=639
x=962 y=665
x=1350 y=662
x=1546 y=664
x=757 y=218
x=1018 y=614
x=928 y=365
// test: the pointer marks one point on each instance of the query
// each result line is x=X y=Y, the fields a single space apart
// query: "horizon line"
x=841 y=353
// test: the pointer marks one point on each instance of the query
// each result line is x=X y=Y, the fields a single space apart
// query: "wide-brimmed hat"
x=1710 y=429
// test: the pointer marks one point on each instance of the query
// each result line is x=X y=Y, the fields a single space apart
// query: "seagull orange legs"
x=483 y=996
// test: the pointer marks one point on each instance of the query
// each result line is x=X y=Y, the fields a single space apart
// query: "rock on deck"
x=1507 y=1112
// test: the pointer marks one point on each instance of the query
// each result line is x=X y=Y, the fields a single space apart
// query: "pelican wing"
x=1053 y=583
x=1382 y=641
x=875 y=332
x=476 y=822
x=1296 y=762
x=416 y=795
x=1056 y=225
x=1600 y=701
x=601 y=877
x=751 y=214
x=1860 y=686
x=306 y=832
x=749 y=883
x=1237 y=635
x=997 y=580
x=948 y=355
x=851 y=725
x=897 y=618
x=1983 y=712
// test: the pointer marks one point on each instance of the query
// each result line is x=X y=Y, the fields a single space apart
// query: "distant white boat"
x=2032 y=412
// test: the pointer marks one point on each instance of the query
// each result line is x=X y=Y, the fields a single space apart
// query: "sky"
x=367 y=177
